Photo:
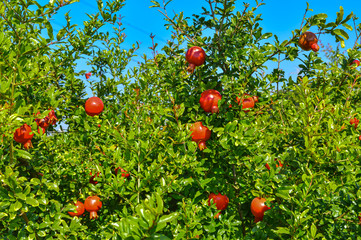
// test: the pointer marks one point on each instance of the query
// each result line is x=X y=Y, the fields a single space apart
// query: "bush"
x=303 y=123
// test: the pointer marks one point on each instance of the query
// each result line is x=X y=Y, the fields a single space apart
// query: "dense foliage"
x=300 y=127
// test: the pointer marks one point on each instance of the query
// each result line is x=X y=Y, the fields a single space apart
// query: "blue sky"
x=279 y=17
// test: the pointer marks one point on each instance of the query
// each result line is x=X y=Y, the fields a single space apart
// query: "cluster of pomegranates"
x=24 y=133
x=92 y=204
x=208 y=101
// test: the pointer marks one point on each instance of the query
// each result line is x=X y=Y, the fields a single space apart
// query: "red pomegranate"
x=209 y=100
x=200 y=134
x=258 y=208
x=79 y=209
x=22 y=135
x=93 y=204
x=94 y=106
x=195 y=56
x=220 y=200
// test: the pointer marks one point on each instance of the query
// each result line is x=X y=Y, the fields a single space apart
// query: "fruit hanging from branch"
x=308 y=41
x=22 y=135
x=94 y=106
x=79 y=209
x=195 y=56
x=258 y=208
x=355 y=63
x=209 y=100
x=220 y=200
x=246 y=102
x=93 y=204
x=200 y=134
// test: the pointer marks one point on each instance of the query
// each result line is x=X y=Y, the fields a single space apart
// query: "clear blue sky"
x=279 y=17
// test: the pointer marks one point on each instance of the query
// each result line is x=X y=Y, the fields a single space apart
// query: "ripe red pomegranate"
x=125 y=174
x=209 y=100
x=195 y=56
x=354 y=121
x=220 y=200
x=200 y=134
x=94 y=106
x=308 y=41
x=93 y=204
x=258 y=208
x=247 y=102
x=79 y=209
x=359 y=138
x=22 y=135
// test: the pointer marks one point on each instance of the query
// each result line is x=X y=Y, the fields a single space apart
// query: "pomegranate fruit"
x=92 y=204
x=308 y=41
x=125 y=174
x=209 y=100
x=22 y=135
x=94 y=106
x=195 y=56
x=258 y=208
x=79 y=209
x=220 y=200
x=355 y=62
x=247 y=102
x=200 y=134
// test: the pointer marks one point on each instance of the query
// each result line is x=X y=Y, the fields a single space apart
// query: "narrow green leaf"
x=313 y=230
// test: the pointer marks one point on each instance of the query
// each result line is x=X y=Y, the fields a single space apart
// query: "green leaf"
x=32 y=201
x=50 y=29
x=313 y=230
x=2 y=215
x=60 y=34
x=168 y=218
x=339 y=15
x=23 y=154
x=341 y=33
